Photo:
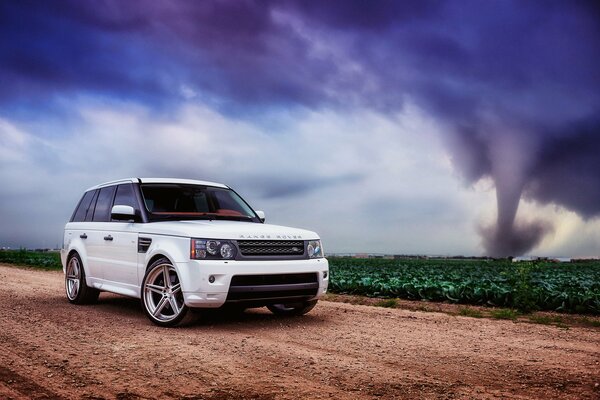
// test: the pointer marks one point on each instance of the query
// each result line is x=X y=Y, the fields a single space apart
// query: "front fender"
x=176 y=249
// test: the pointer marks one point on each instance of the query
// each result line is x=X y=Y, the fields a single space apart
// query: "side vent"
x=144 y=244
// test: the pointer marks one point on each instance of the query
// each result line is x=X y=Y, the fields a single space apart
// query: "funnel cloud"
x=516 y=238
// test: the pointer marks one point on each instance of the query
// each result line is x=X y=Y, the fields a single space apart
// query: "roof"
x=159 y=180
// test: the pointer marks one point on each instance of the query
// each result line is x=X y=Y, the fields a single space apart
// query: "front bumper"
x=199 y=292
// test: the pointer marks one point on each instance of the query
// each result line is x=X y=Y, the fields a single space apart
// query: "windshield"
x=181 y=201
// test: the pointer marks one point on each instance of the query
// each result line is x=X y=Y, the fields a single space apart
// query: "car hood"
x=219 y=229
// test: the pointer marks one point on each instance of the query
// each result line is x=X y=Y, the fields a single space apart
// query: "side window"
x=90 y=212
x=125 y=196
x=104 y=204
x=82 y=208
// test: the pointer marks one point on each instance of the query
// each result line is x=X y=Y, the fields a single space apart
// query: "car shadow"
x=120 y=303
x=201 y=318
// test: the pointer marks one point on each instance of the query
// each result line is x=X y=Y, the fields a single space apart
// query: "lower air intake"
x=284 y=287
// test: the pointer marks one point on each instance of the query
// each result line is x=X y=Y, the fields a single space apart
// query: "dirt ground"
x=52 y=349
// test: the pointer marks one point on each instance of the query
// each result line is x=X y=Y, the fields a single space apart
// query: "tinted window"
x=90 y=211
x=84 y=205
x=224 y=201
x=183 y=201
x=125 y=196
x=104 y=204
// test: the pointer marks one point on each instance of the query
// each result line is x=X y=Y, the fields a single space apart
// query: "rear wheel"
x=292 y=308
x=78 y=292
x=162 y=297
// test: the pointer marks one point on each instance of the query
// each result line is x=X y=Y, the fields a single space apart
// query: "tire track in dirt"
x=21 y=386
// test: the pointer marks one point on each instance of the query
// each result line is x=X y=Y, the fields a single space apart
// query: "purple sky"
x=461 y=127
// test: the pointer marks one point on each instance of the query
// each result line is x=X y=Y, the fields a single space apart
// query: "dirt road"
x=52 y=349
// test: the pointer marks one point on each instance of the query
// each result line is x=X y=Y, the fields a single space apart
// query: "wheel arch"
x=71 y=252
x=157 y=257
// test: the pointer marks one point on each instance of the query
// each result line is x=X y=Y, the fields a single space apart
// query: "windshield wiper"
x=234 y=217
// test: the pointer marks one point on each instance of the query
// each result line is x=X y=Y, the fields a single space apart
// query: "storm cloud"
x=515 y=85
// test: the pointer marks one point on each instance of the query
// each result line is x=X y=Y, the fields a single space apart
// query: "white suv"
x=177 y=244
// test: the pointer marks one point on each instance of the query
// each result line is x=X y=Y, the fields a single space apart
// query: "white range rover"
x=178 y=244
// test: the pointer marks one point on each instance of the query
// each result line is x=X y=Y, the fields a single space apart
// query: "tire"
x=162 y=297
x=77 y=291
x=293 y=308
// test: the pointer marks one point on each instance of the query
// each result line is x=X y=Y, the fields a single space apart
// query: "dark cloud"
x=374 y=16
x=51 y=50
x=146 y=50
x=567 y=171
x=290 y=186
x=517 y=84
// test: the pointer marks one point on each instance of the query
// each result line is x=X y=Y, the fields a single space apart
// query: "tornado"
x=511 y=154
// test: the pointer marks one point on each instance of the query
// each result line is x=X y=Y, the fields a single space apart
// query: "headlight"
x=314 y=249
x=202 y=249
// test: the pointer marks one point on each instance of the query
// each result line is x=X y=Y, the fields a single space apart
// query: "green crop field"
x=45 y=260
x=527 y=286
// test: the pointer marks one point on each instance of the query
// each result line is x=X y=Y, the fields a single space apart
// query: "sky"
x=398 y=127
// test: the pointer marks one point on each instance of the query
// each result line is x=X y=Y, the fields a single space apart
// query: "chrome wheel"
x=162 y=296
x=78 y=292
x=73 y=278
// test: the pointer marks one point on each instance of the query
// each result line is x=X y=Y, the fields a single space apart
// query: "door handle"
x=84 y=236
x=108 y=237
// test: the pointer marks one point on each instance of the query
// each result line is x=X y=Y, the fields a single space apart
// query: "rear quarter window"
x=83 y=207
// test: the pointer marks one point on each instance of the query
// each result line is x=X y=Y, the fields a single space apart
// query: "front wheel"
x=162 y=298
x=292 y=308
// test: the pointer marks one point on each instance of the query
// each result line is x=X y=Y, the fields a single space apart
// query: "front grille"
x=267 y=288
x=271 y=247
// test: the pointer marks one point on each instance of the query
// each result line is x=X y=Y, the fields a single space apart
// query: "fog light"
x=211 y=279
x=325 y=274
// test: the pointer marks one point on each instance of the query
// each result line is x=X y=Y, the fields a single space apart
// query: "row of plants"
x=40 y=259
x=526 y=286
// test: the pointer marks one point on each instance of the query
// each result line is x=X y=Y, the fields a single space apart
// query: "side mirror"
x=122 y=213
x=261 y=215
